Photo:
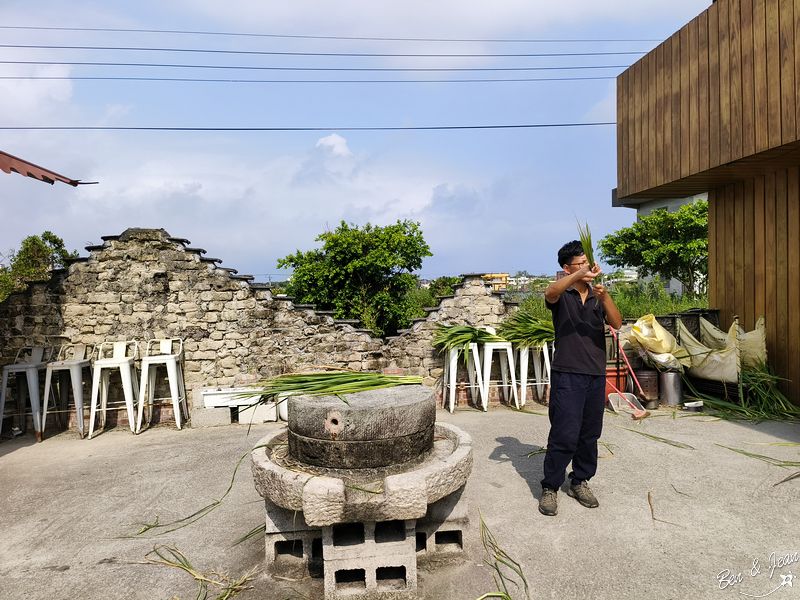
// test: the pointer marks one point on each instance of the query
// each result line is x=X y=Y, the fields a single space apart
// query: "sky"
x=347 y=81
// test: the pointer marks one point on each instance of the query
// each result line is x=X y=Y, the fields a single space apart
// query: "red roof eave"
x=9 y=163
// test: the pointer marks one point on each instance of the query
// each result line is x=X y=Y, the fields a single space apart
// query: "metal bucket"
x=648 y=380
x=671 y=388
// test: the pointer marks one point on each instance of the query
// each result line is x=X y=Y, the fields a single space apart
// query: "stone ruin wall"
x=145 y=284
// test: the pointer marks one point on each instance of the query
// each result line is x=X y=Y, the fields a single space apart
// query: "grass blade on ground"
x=659 y=439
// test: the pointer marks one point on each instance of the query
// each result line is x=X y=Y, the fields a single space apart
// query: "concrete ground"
x=670 y=520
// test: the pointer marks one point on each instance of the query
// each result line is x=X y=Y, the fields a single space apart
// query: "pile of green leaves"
x=333 y=382
x=525 y=329
x=760 y=398
x=447 y=337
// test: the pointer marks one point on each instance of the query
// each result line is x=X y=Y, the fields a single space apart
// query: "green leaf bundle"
x=328 y=383
x=447 y=337
x=524 y=329
x=586 y=242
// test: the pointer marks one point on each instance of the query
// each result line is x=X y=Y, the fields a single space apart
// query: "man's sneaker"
x=583 y=494
x=548 y=505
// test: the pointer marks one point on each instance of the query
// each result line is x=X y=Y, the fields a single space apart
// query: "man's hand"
x=612 y=312
x=588 y=274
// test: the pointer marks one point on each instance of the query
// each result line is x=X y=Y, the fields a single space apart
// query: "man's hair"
x=569 y=251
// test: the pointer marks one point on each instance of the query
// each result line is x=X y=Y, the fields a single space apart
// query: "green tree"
x=37 y=256
x=443 y=286
x=672 y=245
x=361 y=274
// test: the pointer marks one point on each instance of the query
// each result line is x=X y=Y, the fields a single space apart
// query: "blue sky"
x=498 y=200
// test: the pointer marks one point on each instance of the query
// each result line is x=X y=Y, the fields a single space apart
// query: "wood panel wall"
x=754 y=259
x=726 y=86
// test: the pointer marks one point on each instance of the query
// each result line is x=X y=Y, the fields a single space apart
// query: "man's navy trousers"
x=577 y=405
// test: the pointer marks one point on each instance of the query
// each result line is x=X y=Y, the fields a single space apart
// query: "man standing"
x=577 y=379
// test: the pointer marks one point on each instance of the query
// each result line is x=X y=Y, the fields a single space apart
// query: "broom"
x=642 y=395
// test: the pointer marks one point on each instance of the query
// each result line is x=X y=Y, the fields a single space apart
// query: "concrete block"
x=260 y=413
x=210 y=417
x=370 y=560
x=443 y=529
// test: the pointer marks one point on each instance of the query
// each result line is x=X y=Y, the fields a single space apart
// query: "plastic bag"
x=652 y=338
x=752 y=345
x=713 y=363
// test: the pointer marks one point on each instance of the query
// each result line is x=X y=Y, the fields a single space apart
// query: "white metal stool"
x=541 y=371
x=506 y=367
x=167 y=352
x=70 y=362
x=29 y=360
x=451 y=368
x=122 y=355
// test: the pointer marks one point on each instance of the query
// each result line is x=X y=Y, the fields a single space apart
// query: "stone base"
x=369 y=560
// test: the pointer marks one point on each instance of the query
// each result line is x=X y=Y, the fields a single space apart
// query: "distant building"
x=499 y=281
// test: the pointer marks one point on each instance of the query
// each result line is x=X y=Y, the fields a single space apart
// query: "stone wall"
x=145 y=284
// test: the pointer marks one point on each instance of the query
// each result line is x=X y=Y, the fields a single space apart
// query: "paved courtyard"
x=671 y=519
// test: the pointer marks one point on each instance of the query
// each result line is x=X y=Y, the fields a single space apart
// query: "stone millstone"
x=374 y=429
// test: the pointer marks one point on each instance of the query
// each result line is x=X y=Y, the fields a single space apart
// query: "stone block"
x=210 y=417
x=383 y=565
x=260 y=413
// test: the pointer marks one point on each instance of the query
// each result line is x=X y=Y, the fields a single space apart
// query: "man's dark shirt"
x=580 y=333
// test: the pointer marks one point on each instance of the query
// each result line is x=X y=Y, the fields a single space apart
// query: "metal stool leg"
x=130 y=398
x=3 y=398
x=76 y=379
x=36 y=406
x=95 y=394
x=172 y=375
x=144 y=390
x=523 y=354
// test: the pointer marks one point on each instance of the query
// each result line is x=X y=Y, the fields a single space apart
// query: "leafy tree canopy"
x=672 y=245
x=361 y=274
x=443 y=286
x=37 y=256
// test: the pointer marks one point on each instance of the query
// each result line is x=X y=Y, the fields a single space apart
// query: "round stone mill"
x=377 y=428
x=361 y=487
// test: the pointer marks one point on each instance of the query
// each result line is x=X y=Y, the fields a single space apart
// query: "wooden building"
x=716 y=108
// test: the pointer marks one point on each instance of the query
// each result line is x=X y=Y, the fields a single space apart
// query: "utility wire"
x=257 y=68
x=207 y=80
x=332 y=54
x=409 y=128
x=324 y=37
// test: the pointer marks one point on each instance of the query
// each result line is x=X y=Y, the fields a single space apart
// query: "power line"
x=327 y=37
x=207 y=80
x=245 y=129
x=261 y=68
x=331 y=54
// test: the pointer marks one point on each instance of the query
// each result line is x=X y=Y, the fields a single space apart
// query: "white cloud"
x=336 y=143
x=31 y=101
